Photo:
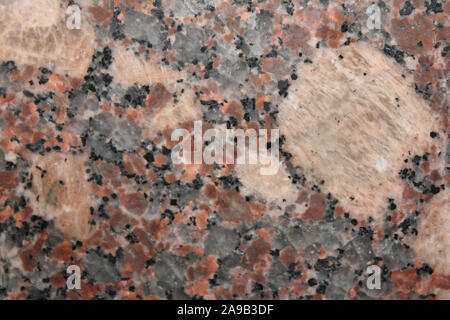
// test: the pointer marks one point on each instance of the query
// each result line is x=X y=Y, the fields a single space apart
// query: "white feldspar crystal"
x=351 y=119
x=129 y=69
x=432 y=244
x=276 y=187
x=62 y=192
x=34 y=32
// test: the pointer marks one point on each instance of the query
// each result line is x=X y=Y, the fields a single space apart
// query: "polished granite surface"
x=91 y=92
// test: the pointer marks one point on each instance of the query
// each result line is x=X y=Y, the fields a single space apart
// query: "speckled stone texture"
x=87 y=179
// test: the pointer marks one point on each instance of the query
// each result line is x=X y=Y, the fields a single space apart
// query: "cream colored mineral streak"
x=34 y=32
x=128 y=69
x=277 y=187
x=352 y=122
x=64 y=192
x=432 y=244
x=174 y=114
